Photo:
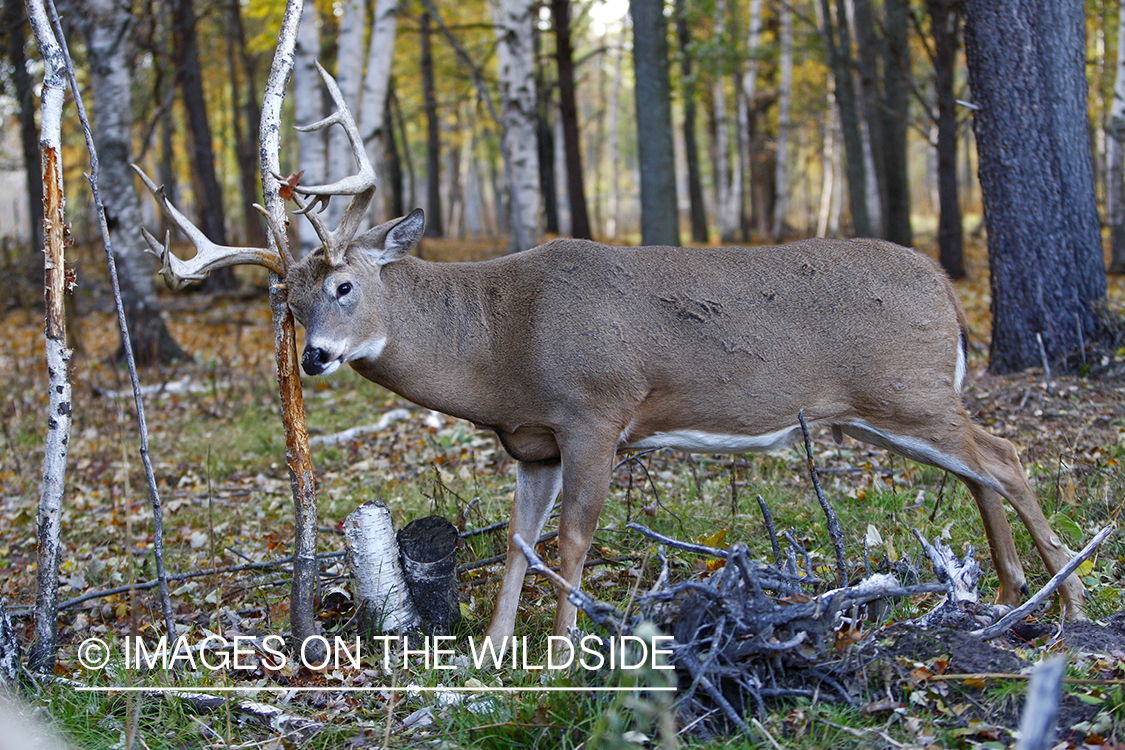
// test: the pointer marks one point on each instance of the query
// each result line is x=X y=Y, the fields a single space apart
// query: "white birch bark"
x=784 y=104
x=728 y=180
x=308 y=103
x=49 y=517
x=1115 y=156
x=382 y=597
x=376 y=82
x=515 y=24
x=350 y=56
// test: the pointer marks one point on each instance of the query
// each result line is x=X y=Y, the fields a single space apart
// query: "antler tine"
x=360 y=185
x=209 y=256
x=279 y=235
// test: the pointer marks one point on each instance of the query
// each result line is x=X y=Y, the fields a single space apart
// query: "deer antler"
x=360 y=185
x=209 y=256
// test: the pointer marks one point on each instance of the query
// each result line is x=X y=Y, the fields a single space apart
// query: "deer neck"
x=439 y=344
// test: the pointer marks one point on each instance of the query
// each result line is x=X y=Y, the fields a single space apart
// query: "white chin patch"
x=331 y=367
x=370 y=350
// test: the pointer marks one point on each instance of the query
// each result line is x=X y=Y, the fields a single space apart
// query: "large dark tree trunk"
x=659 y=217
x=691 y=146
x=568 y=111
x=1027 y=69
x=396 y=205
x=246 y=119
x=208 y=194
x=545 y=142
x=110 y=63
x=945 y=18
x=896 y=122
x=838 y=40
x=15 y=21
x=434 y=226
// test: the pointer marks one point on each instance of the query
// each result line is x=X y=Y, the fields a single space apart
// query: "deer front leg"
x=537 y=486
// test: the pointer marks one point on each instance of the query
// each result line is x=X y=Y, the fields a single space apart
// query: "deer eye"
x=343 y=290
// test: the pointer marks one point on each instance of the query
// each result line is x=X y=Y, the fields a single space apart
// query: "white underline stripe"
x=342 y=689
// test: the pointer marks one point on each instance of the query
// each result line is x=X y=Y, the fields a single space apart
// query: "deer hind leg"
x=537 y=486
x=990 y=468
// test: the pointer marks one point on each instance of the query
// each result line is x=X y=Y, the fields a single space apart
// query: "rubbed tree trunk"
x=110 y=63
x=945 y=18
x=568 y=112
x=896 y=122
x=1027 y=69
x=434 y=226
x=15 y=20
x=208 y=194
x=691 y=147
x=1115 y=158
x=659 y=217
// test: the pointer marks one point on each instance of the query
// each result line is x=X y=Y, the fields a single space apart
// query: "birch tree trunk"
x=108 y=47
x=515 y=24
x=42 y=656
x=1115 y=157
x=376 y=86
x=349 y=77
x=728 y=179
x=784 y=102
x=308 y=106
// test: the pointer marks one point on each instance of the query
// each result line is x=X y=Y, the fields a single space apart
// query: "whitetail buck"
x=574 y=351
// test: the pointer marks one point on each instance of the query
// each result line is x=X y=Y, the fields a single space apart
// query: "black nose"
x=314 y=360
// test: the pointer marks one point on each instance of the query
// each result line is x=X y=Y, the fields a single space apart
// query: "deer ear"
x=391 y=241
x=405 y=235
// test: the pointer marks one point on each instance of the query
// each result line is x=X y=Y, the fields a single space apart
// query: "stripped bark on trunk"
x=42 y=657
x=297 y=456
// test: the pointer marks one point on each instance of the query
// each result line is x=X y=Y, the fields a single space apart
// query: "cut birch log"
x=429 y=559
x=382 y=597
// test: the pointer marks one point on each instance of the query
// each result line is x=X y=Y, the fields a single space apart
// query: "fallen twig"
x=1001 y=626
x=834 y=529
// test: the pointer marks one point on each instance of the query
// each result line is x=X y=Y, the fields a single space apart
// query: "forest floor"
x=218 y=453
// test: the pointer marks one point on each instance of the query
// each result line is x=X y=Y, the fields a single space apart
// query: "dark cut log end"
x=429 y=559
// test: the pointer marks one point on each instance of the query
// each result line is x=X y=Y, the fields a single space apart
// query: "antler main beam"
x=209 y=256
